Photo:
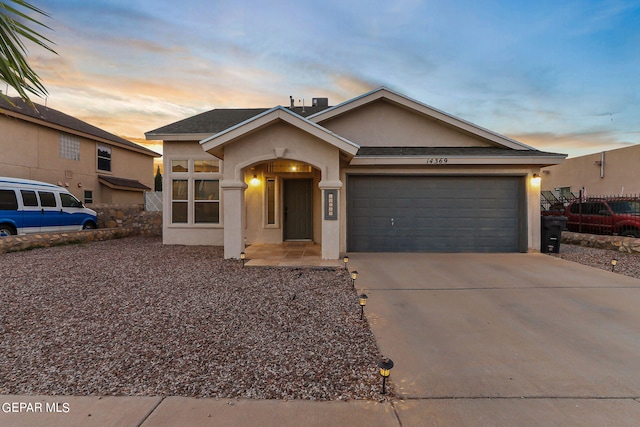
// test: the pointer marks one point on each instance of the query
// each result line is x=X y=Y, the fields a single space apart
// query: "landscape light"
x=363 y=301
x=385 y=364
x=354 y=276
x=346 y=261
x=243 y=257
x=614 y=262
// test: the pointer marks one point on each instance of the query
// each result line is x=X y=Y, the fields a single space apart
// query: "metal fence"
x=555 y=201
x=607 y=214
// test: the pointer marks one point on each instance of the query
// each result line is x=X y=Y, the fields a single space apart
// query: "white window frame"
x=191 y=176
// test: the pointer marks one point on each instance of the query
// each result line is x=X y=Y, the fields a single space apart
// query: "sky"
x=561 y=76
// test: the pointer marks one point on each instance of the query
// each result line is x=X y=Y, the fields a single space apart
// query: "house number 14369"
x=437 y=160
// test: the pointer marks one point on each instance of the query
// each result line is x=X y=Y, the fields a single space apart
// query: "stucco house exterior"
x=380 y=172
x=47 y=145
x=608 y=173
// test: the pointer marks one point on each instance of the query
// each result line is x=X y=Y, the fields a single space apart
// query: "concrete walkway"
x=477 y=340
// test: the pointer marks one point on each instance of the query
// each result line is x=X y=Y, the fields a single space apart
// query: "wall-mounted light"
x=255 y=181
x=536 y=180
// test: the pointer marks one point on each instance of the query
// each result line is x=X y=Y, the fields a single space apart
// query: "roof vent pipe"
x=292 y=101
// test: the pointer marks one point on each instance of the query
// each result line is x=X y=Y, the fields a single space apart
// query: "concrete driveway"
x=505 y=339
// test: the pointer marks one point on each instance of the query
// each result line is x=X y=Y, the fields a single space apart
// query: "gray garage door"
x=435 y=214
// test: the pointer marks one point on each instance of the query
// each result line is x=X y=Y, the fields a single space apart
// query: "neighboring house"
x=380 y=172
x=96 y=166
x=613 y=172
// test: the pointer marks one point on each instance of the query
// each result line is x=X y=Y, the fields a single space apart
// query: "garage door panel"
x=434 y=214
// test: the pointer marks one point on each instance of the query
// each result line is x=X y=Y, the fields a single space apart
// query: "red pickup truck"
x=603 y=216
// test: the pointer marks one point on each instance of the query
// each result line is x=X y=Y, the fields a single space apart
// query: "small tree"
x=158 y=181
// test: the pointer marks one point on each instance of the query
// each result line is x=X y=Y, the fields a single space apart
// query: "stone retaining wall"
x=45 y=240
x=617 y=243
x=116 y=216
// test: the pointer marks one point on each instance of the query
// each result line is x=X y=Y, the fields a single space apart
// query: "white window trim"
x=191 y=177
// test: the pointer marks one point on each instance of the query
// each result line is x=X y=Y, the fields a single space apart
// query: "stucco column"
x=233 y=206
x=330 y=219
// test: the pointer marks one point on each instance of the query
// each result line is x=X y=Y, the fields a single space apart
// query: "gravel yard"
x=628 y=264
x=134 y=317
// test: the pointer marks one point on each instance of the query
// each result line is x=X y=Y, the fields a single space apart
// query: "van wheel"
x=7 y=230
x=89 y=226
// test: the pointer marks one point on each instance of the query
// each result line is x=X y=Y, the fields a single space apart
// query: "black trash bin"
x=551 y=231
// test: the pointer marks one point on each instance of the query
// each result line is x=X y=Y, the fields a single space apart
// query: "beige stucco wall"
x=620 y=173
x=31 y=151
x=390 y=125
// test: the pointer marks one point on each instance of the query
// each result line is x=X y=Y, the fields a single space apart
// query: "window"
x=88 y=197
x=179 y=166
x=47 y=200
x=104 y=158
x=288 y=166
x=200 y=166
x=179 y=201
x=207 y=201
x=271 y=200
x=29 y=198
x=195 y=191
x=69 y=147
x=8 y=200
x=68 y=201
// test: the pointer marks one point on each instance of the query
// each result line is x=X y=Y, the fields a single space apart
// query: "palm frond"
x=16 y=27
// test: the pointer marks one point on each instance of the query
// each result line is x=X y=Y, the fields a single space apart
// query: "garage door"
x=435 y=214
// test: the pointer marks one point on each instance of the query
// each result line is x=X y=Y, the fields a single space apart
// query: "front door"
x=298 y=208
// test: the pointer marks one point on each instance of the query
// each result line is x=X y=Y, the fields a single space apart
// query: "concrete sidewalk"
x=182 y=411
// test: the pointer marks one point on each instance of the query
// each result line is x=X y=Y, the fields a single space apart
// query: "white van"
x=28 y=206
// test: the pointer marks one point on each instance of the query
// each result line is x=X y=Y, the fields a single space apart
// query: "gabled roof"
x=211 y=122
x=215 y=143
x=58 y=120
x=417 y=106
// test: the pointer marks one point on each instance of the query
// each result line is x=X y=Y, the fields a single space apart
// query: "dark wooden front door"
x=298 y=209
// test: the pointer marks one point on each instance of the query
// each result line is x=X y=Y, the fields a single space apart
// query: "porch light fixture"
x=614 y=262
x=363 y=301
x=346 y=261
x=354 y=276
x=385 y=364
x=536 y=180
x=255 y=181
x=243 y=258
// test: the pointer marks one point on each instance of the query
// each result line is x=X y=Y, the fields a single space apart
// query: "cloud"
x=573 y=144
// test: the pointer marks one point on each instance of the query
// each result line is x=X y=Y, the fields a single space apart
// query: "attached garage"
x=403 y=213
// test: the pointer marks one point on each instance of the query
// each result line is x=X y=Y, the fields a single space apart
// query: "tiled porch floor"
x=288 y=254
